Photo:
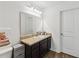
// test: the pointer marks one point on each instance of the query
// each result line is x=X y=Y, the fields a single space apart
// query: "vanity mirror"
x=30 y=24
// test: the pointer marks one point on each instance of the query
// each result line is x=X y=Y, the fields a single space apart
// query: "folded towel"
x=3 y=36
x=3 y=39
x=5 y=43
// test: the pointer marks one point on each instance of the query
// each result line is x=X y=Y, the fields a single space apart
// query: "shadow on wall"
x=53 y=47
x=45 y=26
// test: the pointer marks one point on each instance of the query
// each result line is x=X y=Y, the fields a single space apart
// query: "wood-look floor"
x=52 y=54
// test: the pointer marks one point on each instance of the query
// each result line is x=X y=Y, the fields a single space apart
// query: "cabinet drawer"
x=20 y=56
x=16 y=53
x=19 y=50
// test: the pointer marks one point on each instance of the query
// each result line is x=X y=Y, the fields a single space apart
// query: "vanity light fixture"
x=33 y=6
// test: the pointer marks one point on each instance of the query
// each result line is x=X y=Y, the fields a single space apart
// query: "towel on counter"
x=3 y=39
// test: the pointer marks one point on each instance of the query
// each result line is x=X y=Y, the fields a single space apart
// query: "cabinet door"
x=43 y=47
x=27 y=51
x=49 y=43
x=35 y=53
x=35 y=50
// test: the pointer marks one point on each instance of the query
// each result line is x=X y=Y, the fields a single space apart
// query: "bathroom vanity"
x=37 y=46
x=37 y=42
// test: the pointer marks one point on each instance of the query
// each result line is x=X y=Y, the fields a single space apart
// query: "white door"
x=70 y=32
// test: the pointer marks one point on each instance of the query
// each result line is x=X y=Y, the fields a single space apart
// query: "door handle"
x=61 y=34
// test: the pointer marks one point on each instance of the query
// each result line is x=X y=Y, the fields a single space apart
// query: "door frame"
x=61 y=23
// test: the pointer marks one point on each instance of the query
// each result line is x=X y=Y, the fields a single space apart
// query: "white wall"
x=52 y=20
x=9 y=18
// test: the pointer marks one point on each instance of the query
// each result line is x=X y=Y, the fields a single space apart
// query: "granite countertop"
x=32 y=40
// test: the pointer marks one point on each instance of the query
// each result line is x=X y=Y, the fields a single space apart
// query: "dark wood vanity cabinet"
x=35 y=51
x=39 y=49
x=43 y=47
x=32 y=51
x=27 y=51
x=48 y=43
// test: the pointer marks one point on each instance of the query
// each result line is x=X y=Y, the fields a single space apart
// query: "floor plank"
x=52 y=54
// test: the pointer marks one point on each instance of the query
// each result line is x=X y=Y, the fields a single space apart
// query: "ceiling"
x=46 y=4
x=41 y=5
